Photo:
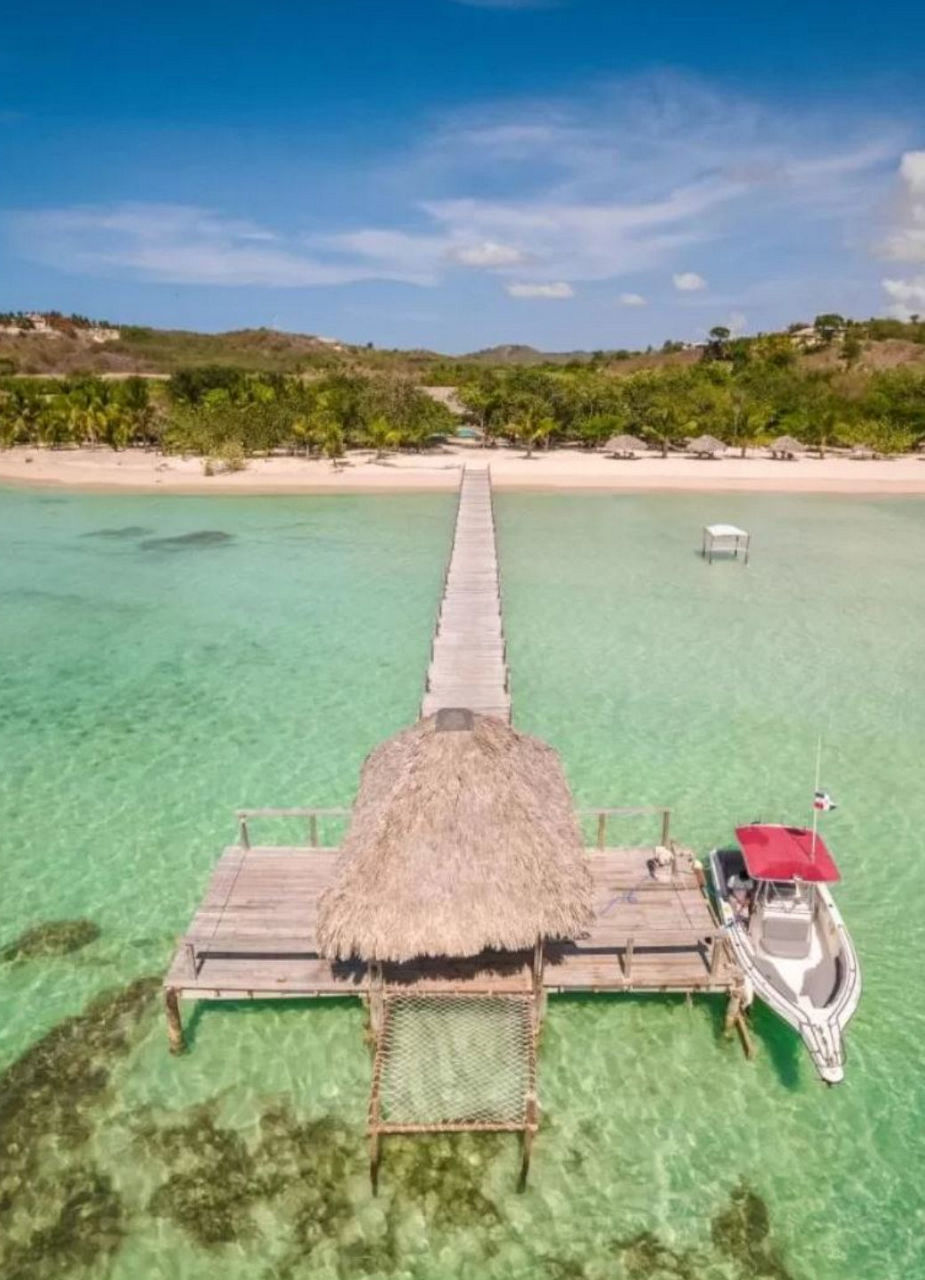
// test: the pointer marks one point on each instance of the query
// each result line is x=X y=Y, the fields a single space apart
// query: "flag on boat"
x=823 y=801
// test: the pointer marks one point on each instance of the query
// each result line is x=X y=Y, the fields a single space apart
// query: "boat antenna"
x=812 y=847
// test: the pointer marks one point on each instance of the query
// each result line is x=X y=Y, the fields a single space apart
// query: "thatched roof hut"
x=786 y=446
x=705 y=445
x=625 y=446
x=463 y=839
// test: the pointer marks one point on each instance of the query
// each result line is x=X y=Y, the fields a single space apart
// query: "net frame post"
x=539 y=993
x=375 y=1154
x=376 y=998
x=530 y=1126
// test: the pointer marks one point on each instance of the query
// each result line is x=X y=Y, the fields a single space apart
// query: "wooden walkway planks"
x=468 y=666
x=254 y=935
x=649 y=934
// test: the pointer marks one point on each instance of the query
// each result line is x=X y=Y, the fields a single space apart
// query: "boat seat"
x=820 y=982
x=775 y=979
x=786 y=934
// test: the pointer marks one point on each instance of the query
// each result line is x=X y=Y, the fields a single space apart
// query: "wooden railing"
x=603 y=816
x=243 y=817
x=311 y=815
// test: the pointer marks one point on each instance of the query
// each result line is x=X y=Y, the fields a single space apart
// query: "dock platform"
x=253 y=936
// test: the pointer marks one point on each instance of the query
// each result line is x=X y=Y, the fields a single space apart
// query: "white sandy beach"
x=360 y=472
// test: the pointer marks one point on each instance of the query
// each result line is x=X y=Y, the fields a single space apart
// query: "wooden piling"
x=174 y=1022
x=628 y=958
x=666 y=826
x=736 y=1021
x=745 y=1035
x=732 y=1011
x=529 y=1134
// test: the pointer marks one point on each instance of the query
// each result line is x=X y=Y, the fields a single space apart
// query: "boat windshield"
x=787 y=894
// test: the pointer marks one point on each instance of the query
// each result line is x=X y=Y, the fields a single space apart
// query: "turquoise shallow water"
x=151 y=681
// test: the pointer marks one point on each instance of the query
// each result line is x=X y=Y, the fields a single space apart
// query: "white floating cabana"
x=724 y=539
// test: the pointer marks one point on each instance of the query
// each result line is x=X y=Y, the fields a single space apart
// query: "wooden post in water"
x=601 y=829
x=735 y=1021
x=732 y=1010
x=715 y=955
x=529 y=1133
x=745 y=1035
x=628 y=959
x=174 y=1023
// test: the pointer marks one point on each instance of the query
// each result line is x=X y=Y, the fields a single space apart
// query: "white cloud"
x=641 y=175
x=558 y=290
x=632 y=300
x=184 y=244
x=912 y=170
x=486 y=254
x=585 y=239
x=908 y=296
x=906 y=242
x=688 y=282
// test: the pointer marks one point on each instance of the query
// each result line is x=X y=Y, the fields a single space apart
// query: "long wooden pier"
x=253 y=935
x=468 y=666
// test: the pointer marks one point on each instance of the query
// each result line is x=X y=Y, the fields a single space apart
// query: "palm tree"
x=748 y=418
x=531 y=425
x=381 y=435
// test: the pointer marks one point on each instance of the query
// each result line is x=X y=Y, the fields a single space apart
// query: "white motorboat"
x=788 y=936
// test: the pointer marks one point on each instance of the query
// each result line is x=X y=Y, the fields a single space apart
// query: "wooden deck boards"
x=468 y=666
x=254 y=935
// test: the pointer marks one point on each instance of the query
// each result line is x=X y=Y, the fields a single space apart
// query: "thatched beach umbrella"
x=463 y=839
x=624 y=446
x=786 y=446
x=705 y=446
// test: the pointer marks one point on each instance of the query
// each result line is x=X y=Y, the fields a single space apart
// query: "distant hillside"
x=65 y=347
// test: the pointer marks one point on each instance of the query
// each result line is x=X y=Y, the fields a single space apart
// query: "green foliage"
x=192 y=385
x=829 y=325
x=852 y=348
x=742 y=390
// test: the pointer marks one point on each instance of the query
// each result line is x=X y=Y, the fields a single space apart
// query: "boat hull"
x=816 y=996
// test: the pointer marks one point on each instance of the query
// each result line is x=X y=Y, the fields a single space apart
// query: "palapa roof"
x=623 y=444
x=786 y=444
x=462 y=840
x=706 y=444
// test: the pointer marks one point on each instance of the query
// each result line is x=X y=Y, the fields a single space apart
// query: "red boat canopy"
x=785 y=853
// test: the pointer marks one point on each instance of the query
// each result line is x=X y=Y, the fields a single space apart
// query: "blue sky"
x=457 y=173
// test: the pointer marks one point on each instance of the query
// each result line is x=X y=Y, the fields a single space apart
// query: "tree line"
x=743 y=400
x=222 y=412
x=744 y=395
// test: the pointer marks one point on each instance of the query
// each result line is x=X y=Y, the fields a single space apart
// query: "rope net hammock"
x=447 y=1063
